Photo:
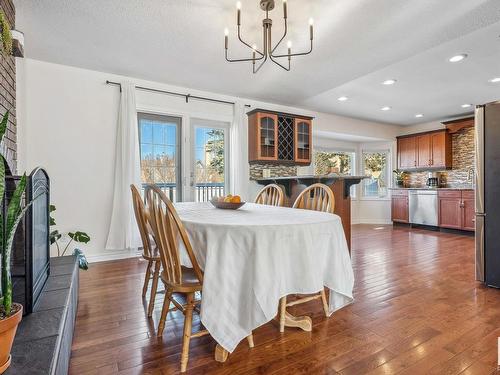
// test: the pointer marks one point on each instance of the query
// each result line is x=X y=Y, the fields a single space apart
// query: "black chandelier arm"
x=243 y=60
x=282 y=66
x=246 y=44
x=283 y=37
x=295 y=54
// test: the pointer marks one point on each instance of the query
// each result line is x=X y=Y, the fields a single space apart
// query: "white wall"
x=67 y=121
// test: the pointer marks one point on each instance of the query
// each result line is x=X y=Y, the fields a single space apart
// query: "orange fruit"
x=236 y=199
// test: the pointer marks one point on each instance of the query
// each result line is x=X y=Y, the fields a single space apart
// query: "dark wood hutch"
x=277 y=137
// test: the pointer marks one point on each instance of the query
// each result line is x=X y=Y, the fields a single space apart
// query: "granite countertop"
x=311 y=176
x=434 y=188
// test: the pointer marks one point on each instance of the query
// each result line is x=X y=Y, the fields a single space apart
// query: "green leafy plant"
x=400 y=176
x=8 y=225
x=80 y=237
x=5 y=34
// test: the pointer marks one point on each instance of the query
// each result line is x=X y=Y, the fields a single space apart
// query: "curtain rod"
x=186 y=96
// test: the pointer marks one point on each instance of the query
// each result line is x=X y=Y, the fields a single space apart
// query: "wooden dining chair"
x=168 y=230
x=271 y=195
x=149 y=250
x=317 y=197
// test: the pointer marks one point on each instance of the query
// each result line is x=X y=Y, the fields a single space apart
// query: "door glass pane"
x=210 y=163
x=159 y=147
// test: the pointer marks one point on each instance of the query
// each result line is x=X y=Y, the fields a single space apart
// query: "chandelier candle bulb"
x=238 y=6
x=285 y=13
x=311 y=30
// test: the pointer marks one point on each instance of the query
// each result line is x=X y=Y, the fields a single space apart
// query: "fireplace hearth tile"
x=32 y=357
x=39 y=325
x=52 y=300
x=58 y=282
x=43 y=341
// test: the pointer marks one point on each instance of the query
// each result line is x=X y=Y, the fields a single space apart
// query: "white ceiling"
x=358 y=44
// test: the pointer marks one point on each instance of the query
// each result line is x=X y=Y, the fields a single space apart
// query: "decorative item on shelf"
x=5 y=34
x=401 y=177
x=80 y=237
x=268 y=50
x=228 y=202
x=10 y=313
x=266 y=173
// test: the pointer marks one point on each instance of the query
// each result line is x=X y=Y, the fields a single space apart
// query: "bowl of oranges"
x=228 y=202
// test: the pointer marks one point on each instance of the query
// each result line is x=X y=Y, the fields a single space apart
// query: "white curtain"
x=123 y=233
x=238 y=154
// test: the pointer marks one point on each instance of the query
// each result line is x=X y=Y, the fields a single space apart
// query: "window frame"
x=388 y=153
x=354 y=162
x=197 y=122
x=177 y=120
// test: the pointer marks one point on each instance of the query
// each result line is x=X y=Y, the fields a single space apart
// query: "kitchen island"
x=340 y=185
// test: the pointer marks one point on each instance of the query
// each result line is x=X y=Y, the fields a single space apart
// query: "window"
x=159 y=149
x=328 y=161
x=376 y=165
x=210 y=162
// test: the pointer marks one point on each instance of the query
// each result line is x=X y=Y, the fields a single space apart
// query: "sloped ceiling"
x=358 y=44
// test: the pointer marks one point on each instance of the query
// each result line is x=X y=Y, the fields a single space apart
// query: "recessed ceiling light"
x=466 y=105
x=495 y=80
x=342 y=98
x=389 y=82
x=458 y=58
x=419 y=115
x=385 y=108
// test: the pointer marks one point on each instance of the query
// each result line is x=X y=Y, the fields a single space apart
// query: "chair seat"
x=188 y=283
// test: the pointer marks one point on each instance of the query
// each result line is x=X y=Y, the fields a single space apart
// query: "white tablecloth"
x=253 y=256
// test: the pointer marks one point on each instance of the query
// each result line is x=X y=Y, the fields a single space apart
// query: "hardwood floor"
x=418 y=310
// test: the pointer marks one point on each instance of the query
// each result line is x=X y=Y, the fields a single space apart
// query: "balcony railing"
x=203 y=192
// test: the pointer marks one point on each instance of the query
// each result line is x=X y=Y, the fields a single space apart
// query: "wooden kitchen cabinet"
x=263 y=142
x=469 y=211
x=425 y=151
x=456 y=209
x=399 y=206
x=303 y=134
x=282 y=138
x=407 y=153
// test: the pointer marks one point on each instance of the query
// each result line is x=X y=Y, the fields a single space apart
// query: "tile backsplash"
x=277 y=170
x=462 y=162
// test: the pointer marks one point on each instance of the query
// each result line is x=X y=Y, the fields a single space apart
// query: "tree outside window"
x=336 y=162
x=375 y=165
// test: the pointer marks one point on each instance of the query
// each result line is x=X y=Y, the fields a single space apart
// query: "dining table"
x=253 y=256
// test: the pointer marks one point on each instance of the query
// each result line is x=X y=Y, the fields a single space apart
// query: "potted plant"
x=400 y=177
x=10 y=313
x=77 y=236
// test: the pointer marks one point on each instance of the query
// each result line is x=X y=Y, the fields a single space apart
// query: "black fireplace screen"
x=31 y=253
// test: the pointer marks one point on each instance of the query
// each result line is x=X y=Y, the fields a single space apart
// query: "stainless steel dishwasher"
x=424 y=207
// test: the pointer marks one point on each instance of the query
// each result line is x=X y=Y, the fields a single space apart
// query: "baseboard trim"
x=107 y=255
x=371 y=221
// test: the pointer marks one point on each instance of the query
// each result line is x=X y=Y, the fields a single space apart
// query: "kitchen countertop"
x=433 y=188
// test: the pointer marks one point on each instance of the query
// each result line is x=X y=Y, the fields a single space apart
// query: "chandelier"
x=259 y=57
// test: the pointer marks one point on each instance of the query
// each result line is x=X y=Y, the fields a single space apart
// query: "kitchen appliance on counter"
x=487 y=138
x=433 y=180
x=423 y=207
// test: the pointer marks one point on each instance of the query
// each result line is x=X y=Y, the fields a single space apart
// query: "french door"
x=209 y=165
x=186 y=157
x=160 y=150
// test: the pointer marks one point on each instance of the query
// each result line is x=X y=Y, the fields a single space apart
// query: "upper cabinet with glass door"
x=280 y=138
x=302 y=141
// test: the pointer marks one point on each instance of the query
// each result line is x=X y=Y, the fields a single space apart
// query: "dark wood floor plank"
x=417 y=310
